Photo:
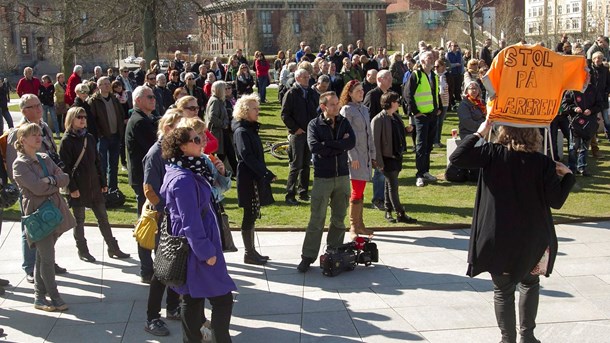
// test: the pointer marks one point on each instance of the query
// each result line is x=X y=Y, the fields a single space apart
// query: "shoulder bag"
x=44 y=220
x=66 y=190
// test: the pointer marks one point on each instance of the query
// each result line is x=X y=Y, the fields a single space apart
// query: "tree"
x=508 y=22
x=373 y=35
x=287 y=38
x=333 y=32
x=470 y=10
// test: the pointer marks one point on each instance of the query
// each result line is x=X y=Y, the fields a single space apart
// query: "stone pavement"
x=418 y=292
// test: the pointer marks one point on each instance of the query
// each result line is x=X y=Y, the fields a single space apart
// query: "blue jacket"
x=329 y=146
x=456 y=57
x=186 y=195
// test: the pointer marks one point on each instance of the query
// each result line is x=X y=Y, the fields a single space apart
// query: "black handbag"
x=584 y=126
x=171 y=256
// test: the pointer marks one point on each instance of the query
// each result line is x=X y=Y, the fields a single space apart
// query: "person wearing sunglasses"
x=187 y=190
x=245 y=81
x=87 y=183
x=139 y=137
x=192 y=90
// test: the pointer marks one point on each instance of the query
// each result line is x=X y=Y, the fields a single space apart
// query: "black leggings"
x=192 y=308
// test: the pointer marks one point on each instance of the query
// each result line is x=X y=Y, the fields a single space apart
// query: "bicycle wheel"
x=280 y=150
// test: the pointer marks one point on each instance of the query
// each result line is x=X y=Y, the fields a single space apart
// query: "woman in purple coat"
x=187 y=190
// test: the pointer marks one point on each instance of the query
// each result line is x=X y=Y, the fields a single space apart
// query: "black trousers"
x=504 y=305
x=247 y=222
x=155 y=297
x=192 y=308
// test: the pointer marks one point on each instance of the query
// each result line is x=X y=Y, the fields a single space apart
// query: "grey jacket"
x=28 y=174
x=470 y=117
x=358 y=116
x=382 y=135
x=216 y=119
x=11 y=154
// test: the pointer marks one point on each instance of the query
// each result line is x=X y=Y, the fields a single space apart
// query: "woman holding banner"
x=512 y=236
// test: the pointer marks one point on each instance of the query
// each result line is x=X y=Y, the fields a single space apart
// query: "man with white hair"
x=301 y=52
x=298 y=109
x=423 y=100
x=140 y=74
x=178 y=62
x=28 y=84
x=73 y=80
x=31 y=109
x=163 y=96
x=339 y=55
x=97 y=73
x=109 y=116
x=140 y=135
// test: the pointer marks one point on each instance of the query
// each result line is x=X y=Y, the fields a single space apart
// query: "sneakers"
x=389 y=218
x=206 y=331
x=305 y=263
x=419 y=182
x=429 y=177
x=173 y=315
x=44 y=305
x=304 y=197
x=438 y=145
x=156 y=327
x=29 y=278
x=583 y=172
x=378 y=204
x=59 y=304
x=292 y=201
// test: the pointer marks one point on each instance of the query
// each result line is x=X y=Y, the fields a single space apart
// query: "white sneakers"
x=427 y=177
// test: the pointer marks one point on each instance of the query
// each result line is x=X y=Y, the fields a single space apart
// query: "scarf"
x=195 y=164
x=478 y=103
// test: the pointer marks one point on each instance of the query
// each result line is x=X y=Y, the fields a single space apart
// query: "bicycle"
x=278 y=150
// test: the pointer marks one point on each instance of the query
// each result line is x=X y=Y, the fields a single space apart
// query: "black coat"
x=329 y=146
x=45 y=95
x=91 y=120
x=600 y=78
x=298 y=111
x=88 y=177
x=251 y=167
x=140 y=135
x=372 y=100
x=512 y=223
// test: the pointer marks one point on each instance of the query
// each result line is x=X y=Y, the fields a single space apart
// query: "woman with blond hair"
x=253 y=177
x=39 y=179
x=78 y=151
x=60 y=104
x=513 y=236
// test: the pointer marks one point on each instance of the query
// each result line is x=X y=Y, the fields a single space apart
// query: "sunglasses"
x=81 y=117
x=192 y=108
x=124 y=71
x=196 y=140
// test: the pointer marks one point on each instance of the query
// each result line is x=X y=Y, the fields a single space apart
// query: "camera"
x=346 y=256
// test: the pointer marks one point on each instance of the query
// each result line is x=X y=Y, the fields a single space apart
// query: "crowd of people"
x=184 y=133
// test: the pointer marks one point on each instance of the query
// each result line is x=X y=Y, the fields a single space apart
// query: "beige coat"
x=28 y=175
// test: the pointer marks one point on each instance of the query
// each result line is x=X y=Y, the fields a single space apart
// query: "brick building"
x=270 y=25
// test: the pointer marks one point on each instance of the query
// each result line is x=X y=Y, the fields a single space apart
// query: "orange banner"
x=528 y=82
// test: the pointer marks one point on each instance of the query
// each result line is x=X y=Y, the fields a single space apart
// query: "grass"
x=437 y=204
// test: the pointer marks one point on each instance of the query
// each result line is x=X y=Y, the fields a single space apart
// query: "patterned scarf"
x=480 y=104
x=195 y=164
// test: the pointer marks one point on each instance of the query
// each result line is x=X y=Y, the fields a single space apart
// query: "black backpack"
x=114 y=198
x=455 y=174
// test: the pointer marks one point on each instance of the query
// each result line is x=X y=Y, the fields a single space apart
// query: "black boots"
x=114 y=251
x=402 y=217
x=83 y=252
x=251 y=256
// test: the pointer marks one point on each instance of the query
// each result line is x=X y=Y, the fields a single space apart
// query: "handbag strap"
x=80 y=157
x=42 y=164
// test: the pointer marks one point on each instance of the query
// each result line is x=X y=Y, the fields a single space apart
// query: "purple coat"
x=187 y=195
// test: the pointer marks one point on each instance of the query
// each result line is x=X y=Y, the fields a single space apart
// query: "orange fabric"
x=529 y=82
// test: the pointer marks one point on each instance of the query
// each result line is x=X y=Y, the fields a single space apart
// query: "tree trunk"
x=67 y=59
x=473 y=41
x=149 y=31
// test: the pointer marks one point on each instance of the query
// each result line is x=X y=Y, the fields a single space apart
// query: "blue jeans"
x=7 y=116
x=109 y=149
x=439 y=125
x=49 y=111
x=378 y=185
x=577 y=156
x=263 y=82
x=606 y=120
x=425 y=125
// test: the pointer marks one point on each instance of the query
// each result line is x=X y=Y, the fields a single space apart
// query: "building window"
x=559 y=24
x=559 y=9
x=575 y=7
x=296 y=22
x=568 y=8
x=540 y=11
x=549 y=10
x=589 y=6
x=529 y=12
x=575 y=24
x=349 y=22
x=25 y=46
x=265 y=17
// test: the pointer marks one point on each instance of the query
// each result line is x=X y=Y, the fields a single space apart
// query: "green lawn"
x=440 y=203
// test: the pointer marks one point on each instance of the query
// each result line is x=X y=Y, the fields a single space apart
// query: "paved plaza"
x=417 y=292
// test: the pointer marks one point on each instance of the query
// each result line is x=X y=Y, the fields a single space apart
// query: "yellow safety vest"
x=424 y=97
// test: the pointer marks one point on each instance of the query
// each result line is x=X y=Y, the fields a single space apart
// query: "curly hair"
x=520 y=138
x=170 y=145
x=240 y=110
x=345 y=96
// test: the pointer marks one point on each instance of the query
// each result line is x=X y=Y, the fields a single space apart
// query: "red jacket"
x=70 y=95
x=26 y=86
x=262 y=68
